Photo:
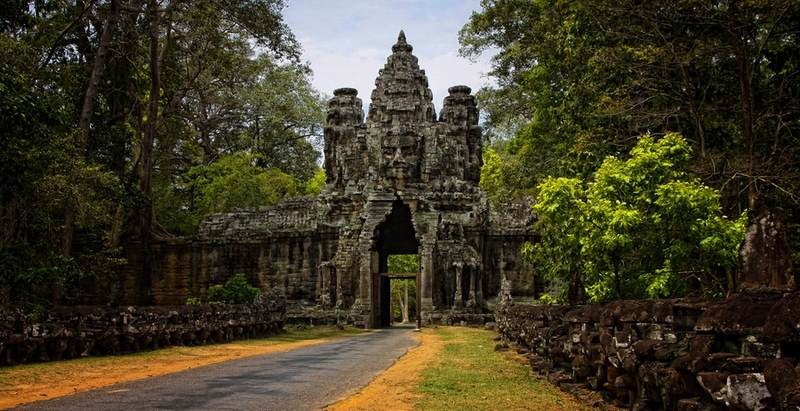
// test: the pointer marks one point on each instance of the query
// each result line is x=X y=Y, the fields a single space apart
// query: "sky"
x=346 y=42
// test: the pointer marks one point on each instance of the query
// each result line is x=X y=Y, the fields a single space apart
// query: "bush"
x=236 y=290
x=192 y=301
x=546 y=299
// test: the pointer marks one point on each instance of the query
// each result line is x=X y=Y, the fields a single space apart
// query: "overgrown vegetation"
x=134 y=120
x=468 y=374
x=639 y=228
x=579 y=82
x=236 y=290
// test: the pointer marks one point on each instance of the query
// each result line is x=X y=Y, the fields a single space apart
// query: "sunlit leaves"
x=236 y=181
x=639 y=228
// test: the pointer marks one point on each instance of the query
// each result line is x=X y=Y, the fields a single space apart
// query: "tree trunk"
x=391 y=309
x=405 y=305
x=85 y=119
x=146 y=170
x=746 y=72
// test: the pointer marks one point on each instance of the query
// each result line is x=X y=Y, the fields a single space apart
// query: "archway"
x=395 y=236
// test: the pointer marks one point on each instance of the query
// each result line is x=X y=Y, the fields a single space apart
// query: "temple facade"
x=400 y=182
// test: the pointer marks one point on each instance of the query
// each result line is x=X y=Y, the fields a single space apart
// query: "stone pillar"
x=327 y=284
x=458 y=298
x=765 y=261
x=472 y=299
x=479 y=292
x=426 y=268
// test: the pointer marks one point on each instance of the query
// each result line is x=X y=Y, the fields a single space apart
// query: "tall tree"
x=111 y=86
x=45 y=52
x=584 y=79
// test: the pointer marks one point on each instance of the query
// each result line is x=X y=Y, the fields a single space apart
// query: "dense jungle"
x=644 y=130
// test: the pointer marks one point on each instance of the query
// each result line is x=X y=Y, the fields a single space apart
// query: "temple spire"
x=401 y=44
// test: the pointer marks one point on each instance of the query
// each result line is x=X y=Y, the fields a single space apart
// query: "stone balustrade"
x=739 y=353
x=74 y=332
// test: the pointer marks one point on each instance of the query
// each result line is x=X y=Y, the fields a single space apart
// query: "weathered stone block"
x=740 y=314
x=782 y=381
x=747 y=392
x=764 y=258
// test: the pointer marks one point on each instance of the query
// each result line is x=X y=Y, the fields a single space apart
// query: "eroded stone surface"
x=765 y=261
x=642 y=355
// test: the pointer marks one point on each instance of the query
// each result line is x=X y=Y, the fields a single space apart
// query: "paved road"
x=306 y=378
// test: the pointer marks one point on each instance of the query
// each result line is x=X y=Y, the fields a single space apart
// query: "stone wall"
x=74 y=332
x=739 y=353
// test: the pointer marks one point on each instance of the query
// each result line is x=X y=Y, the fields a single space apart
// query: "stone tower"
x=400 y=181
x=414 y=181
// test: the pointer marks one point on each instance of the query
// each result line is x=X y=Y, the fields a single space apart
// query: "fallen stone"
x=747 y=392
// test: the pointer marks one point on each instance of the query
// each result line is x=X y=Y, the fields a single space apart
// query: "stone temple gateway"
x=401 y=182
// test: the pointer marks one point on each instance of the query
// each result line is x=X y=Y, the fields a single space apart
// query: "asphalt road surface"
x=307 y=378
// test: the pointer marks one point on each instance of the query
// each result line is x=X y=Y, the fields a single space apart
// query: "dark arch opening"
x=395 y=236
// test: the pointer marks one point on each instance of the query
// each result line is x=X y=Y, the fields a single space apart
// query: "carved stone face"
x=401 y=153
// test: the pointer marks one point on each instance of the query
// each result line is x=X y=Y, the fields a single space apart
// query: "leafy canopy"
x=639 y=228
x=236 y=181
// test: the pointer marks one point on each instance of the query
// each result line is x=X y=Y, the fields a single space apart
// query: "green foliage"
x=314 y=186
x=236 y=290
x=41 y=176
x=230 y=82
x=193 y=301
x=579 y=81
x=546 y=299
x=236 y=181
x=37 y=315
x=502 y=175
x=233 y=181
x=640 y=228
x=218 y=294
x=403 y=263
x=403 y=291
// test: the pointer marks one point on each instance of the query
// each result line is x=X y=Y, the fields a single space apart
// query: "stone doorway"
x=395 y=236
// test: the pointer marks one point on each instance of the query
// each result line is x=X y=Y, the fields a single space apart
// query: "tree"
x=236 y=290
x=97 y=138
x=403 y=291
x=233 y=181
x=268 y=110
x=640 y=228
x=579 y=81
x=316 y=183
x=43 y=54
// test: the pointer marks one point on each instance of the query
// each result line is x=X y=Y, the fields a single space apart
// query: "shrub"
x=236 y=290
x=192 y=301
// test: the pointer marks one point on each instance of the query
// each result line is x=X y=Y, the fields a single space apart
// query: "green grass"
x=469 y=375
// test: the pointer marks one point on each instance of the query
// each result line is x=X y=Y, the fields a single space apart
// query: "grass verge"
x=469 y=375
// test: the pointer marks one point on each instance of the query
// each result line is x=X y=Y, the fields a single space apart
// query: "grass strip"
x=468 y=374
